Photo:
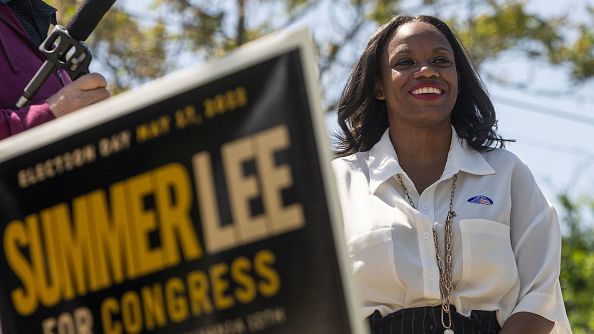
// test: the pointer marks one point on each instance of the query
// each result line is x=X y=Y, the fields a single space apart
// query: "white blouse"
x=506 y=244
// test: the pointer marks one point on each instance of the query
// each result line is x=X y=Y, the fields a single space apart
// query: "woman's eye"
x=403 y=63
x=442 y=61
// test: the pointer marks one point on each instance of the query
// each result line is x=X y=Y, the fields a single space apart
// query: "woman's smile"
x=427 y=92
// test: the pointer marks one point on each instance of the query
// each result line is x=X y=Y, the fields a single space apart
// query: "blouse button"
x=431 y=277
x=426 y=235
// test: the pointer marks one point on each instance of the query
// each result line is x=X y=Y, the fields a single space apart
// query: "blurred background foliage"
x=577 y=263
x=134 y=46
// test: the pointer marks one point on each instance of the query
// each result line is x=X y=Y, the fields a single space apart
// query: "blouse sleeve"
x=536 y=241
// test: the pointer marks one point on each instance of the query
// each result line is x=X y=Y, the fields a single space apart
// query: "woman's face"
x=419 y=81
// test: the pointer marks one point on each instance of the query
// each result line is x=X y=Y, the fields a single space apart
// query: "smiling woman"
x=418 y=84
x=447 y=231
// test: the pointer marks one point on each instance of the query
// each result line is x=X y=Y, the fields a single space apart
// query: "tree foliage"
x=509 y=26
x=135 y=47
x=577 y=264
x=130 y=52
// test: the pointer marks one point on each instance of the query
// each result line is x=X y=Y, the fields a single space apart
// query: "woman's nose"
x=426 y=71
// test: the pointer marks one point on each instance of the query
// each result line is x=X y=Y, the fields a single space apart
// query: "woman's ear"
x=379 y=92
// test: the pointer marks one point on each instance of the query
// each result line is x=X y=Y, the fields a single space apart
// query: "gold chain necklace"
x=445 y=267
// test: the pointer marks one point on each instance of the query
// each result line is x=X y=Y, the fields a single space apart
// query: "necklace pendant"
x=448 y=331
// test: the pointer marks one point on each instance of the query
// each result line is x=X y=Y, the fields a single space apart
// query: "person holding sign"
x=447 y=231
x=23 y=26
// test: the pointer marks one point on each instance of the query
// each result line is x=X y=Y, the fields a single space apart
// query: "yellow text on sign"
x=269 y=181
x=228 y=101
x=200 y=292
x=89 y=245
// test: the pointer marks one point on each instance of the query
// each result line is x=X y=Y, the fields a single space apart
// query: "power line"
x=544 y=110
x=566 y=93
x=579 y=168
x=554 y=147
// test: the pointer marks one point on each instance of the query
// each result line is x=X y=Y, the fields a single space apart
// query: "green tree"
x=577 y=264
x=133 y=48
x=131 y=53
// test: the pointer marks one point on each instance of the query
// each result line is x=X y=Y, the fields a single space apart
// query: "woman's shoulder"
x=355 y=160
x=506 y=162
x=500 y=157
x=353 y=166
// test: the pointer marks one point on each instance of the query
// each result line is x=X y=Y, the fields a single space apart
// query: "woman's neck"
x=422 y=153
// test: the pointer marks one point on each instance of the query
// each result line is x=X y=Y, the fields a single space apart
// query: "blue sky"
x=559 y=152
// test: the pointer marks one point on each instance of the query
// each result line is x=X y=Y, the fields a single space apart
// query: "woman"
x=447 y=231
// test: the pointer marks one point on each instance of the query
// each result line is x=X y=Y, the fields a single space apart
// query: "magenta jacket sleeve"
x=19 y=61
x=15 y=121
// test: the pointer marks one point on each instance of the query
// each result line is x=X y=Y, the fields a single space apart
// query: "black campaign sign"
x=204 y=212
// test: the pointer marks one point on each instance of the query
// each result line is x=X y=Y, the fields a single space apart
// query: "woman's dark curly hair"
x=363 y=118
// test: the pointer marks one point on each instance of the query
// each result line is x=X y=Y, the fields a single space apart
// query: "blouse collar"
x=383 y=162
